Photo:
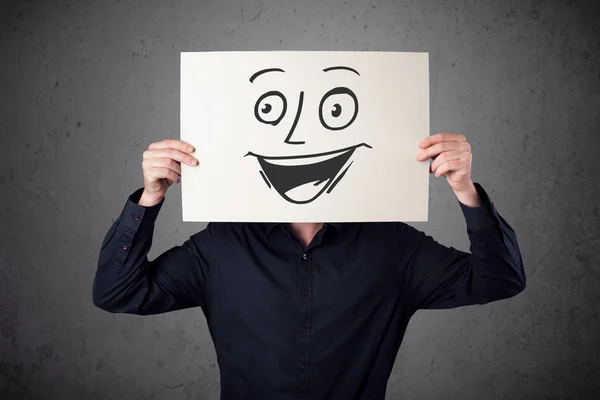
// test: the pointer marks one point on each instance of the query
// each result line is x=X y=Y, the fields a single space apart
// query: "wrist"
x=469 y=195
x=149 y=200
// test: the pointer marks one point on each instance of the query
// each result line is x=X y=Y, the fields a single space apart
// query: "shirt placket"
x=303 y=325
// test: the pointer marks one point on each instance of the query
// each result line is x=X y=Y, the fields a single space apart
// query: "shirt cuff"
x=136 y=217
x=483 y=216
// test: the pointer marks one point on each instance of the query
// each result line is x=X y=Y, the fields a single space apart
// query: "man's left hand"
x=451 y=155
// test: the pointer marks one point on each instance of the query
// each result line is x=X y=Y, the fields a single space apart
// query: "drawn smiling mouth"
x=300 y=179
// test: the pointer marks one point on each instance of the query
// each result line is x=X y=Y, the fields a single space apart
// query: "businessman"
x=307 y=310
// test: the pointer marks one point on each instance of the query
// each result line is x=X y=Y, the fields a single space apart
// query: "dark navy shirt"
x=321 y=322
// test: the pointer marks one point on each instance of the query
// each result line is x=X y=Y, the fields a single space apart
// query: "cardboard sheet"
x=305 y=136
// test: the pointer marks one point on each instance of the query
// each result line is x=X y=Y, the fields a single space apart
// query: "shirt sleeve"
x=441 y=277
x=127 y=282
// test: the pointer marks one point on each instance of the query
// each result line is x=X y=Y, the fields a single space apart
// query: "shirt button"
x=124 y=247
x=303 y=329
x=136 y=217
x=304 y=256
x=303 y=365
x=305 y=293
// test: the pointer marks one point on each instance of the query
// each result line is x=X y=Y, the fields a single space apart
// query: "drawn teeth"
x=301 y=161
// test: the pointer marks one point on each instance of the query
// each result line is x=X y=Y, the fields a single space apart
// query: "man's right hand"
x=162 y=167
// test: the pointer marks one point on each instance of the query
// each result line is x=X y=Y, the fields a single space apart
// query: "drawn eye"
x=270 y=108
x=338 y=108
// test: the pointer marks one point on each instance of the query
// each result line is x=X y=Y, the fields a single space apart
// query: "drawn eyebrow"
x=341 y=67
x=264 y=71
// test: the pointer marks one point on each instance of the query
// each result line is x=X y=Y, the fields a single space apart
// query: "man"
x=307 y=310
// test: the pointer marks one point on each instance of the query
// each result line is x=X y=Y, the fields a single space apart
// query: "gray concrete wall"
x=86 y=86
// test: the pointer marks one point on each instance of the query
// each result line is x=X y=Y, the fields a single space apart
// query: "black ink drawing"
x=302 y=178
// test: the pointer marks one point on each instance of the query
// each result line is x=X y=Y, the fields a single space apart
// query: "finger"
x=448 y=166
x=157 y=173
x=446 y=156
x=441 y=137
x=163 y=163
x=170 y=153
x=172 y=144
x=436 y=149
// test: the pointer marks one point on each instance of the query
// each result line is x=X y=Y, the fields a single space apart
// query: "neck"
x=305 y=231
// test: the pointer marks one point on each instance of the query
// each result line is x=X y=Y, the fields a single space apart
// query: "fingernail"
x=191 y=149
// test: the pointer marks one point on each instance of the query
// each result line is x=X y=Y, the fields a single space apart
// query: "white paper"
x=345 y=154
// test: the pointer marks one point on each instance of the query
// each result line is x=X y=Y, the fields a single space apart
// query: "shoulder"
x=380 y=228
x=216 y=231
x=221 y=238
x=398 y=231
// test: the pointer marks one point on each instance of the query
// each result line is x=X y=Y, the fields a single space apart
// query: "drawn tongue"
x=302 y=183
x=307 y=191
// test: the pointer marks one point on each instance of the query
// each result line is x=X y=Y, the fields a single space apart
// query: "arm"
x=440 y=277
x=127 y=282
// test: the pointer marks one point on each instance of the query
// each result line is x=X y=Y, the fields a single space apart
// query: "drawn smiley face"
x=301 y=178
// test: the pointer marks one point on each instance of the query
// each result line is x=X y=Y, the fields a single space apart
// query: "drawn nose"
x=293 y=129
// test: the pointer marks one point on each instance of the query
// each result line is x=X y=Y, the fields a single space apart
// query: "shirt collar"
x=270 y=226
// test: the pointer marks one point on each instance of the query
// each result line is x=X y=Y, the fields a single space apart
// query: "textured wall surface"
x=85 y=87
